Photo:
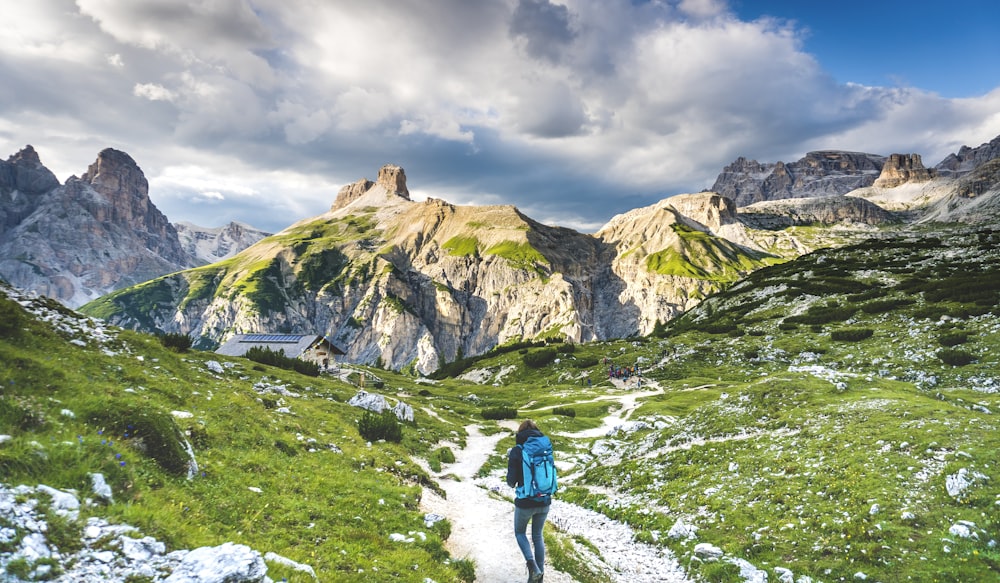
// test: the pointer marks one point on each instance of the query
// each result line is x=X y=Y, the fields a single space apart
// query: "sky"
x=574 y=111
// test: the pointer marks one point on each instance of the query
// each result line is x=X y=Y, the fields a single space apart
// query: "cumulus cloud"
x=545 y=28
x=576 y=109
x=153 y=92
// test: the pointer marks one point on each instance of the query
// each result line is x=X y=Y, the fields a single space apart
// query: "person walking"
x=532 y=493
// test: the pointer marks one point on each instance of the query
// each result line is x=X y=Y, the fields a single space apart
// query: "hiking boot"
x=534 y=573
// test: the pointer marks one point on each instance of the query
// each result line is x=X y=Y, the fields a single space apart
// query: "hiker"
x=532 y=497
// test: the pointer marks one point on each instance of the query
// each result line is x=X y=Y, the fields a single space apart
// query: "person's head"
x=527 y=424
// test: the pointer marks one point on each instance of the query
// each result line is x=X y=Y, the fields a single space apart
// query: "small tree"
x=176 y=341
x=375 y=426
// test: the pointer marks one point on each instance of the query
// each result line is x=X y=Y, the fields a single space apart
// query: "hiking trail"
x=481 y=513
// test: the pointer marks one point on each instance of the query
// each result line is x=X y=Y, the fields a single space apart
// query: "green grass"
x=462 y=246
x=785 y=447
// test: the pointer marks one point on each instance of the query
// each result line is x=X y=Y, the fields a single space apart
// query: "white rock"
x=959 y=482
x=708 y=551
x=182 y=414
x=63 y=503
x=784 y=575
x=143 y=549
x=276 y=558
x=101 y=488
x=214 y=366
x=680 y=530
x=964 y=529
x=748 y=572
x=226 y=563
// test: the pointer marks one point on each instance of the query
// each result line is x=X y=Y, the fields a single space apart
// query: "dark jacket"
x=515 y=470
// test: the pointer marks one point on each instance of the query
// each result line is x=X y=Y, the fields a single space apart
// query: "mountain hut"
x=311 y=348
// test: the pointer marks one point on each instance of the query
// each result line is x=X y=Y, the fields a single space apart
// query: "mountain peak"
x=115 y=173
x=27 y=155
x=391 y=178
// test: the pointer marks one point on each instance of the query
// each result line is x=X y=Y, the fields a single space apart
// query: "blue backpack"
x=539 y=468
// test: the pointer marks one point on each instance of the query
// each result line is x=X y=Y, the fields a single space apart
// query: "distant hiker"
x=531 y=471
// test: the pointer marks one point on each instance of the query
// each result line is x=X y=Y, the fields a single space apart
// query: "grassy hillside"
x=831 y=416
x=828 y=417
x=78 y=398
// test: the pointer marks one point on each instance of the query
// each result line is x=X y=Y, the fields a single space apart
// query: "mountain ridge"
x=96 y=233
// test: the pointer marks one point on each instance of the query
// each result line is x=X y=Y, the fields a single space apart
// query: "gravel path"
x=481 y=515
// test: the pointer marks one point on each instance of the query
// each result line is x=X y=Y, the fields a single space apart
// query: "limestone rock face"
x=391 y=178
x=209 y=245
x=351 y=193
x=903 y=168
x=94 y=234
x=821 y=173
x=23 y=181
x=968 y=159
x=827 y=210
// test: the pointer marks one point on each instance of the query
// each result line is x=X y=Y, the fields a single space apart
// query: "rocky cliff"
x=825 y=210
x=823 y=173
x=208 y=245
x=82 y=239
x=414 y=284
x=968 y=159
x=902 y=168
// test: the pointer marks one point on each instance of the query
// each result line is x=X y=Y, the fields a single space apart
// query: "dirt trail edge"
x=482 y=514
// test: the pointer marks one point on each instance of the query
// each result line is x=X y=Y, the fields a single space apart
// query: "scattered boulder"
x=708 y=552
x=226 y=563
x=377 y=403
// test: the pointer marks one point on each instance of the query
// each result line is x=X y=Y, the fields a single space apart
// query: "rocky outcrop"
x=97 y=233
x=391 y=178
x=827 y=210
x=822 y=173
x=411 y=285
x=903 y=168
x=23 y=180
x=106 y=551
x=968 y=159
x=209 y=245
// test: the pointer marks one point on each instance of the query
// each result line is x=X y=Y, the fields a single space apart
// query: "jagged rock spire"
x=390 y=177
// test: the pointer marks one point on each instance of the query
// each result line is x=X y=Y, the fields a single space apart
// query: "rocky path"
x=481 y=515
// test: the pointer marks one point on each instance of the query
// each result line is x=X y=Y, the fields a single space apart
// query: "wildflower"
x=104 y=442
x=122 y=464
x=118 y=456
x=80 y=437
x=100 y=432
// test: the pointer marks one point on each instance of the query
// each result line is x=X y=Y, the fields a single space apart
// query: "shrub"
x=955 y=357
x=851 y=334
x=566 y=348
x=11 y=318
x=953 y=339
x=823 y=315
x=930 y=312
x=586 y=362
x=540 y=358
x=885 y=305
x=497 y=413
x=278 y=359
x=150 y=430
x=445 y=455
x=175 y=341
x=565 y=411
x=375 y=426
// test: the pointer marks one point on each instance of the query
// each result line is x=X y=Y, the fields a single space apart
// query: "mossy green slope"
x=281 y=466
